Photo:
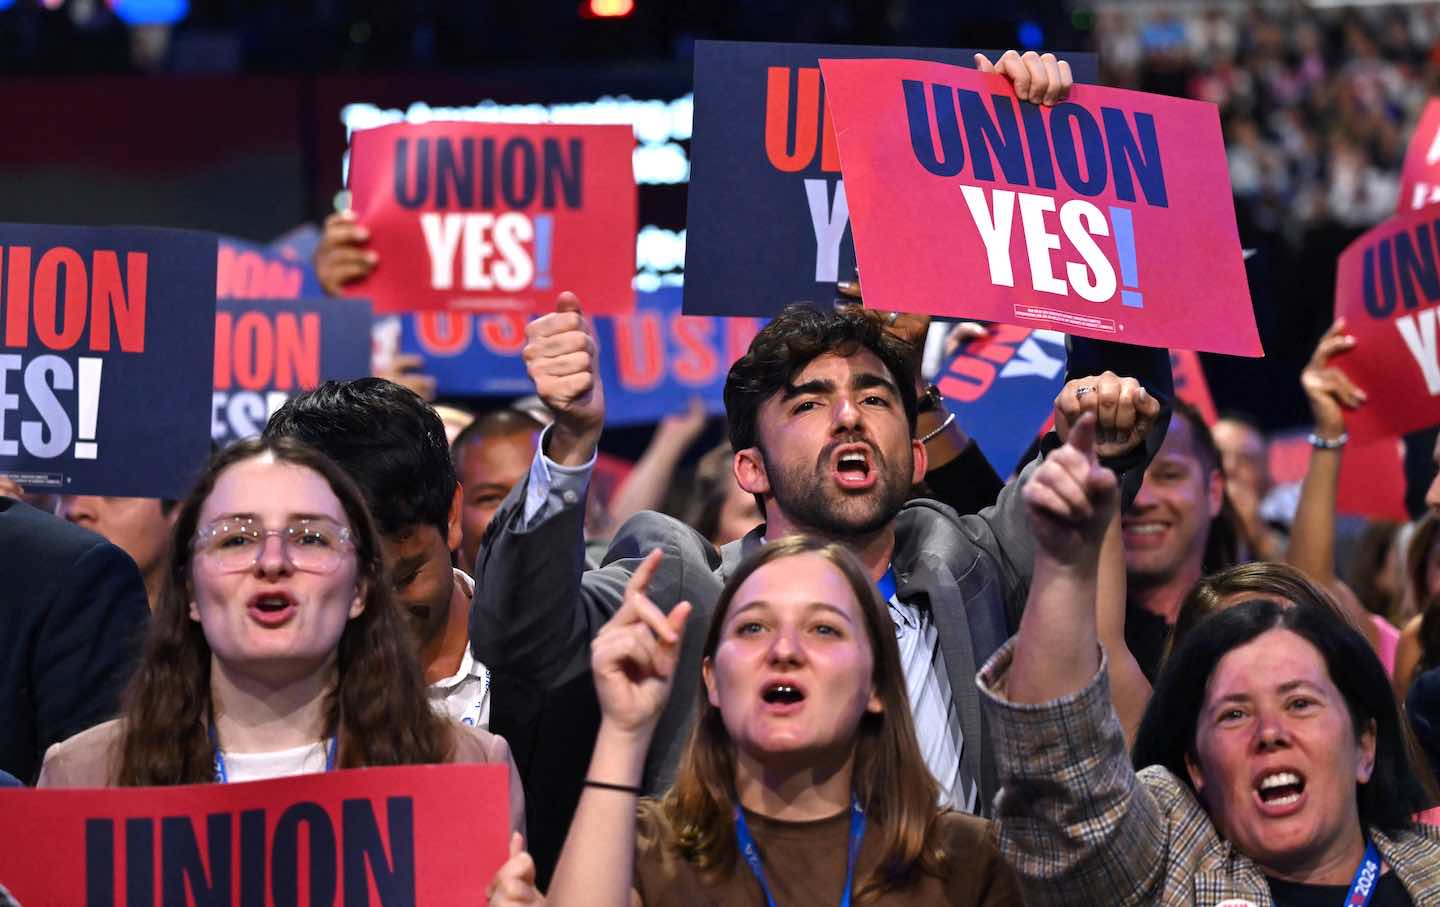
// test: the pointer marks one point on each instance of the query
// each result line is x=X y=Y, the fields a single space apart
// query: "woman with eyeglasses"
x=276 y=648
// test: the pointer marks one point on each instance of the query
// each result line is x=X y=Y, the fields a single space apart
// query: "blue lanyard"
x=1362 y=887
x=223 y=777
x=886 y=585
x=752 y=854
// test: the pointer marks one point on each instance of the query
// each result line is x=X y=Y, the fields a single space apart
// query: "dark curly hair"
x=790 y=342
x=378 y=708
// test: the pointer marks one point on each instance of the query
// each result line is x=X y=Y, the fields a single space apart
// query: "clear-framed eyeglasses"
x=235 y=544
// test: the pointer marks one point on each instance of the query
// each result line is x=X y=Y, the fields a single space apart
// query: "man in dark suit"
x=73 y=613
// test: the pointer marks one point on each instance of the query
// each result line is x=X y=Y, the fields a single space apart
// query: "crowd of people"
x=1317 y=100
x=859 y=665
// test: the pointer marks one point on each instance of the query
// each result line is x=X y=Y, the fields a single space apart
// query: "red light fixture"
x=606 y=9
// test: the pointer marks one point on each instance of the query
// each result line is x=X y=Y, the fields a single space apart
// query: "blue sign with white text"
x=269 y=350
x=247 y=270
x=1002 y=389
x=105 y=358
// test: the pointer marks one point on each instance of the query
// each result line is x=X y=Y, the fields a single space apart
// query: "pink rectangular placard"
x=494 y=217
x=1420 y=178
x=1387 y=288
x=433 y=834
x=1108 y=215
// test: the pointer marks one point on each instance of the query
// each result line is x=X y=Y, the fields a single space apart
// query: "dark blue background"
x=480 y=372
x=153 y=426
x=1008 y=417
x=344 y=341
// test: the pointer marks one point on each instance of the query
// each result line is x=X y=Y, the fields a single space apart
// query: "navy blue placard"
x=466 y=353
x=105 y=353
x=281 y=270
x=653 y=361
x=767 y=223
x=1002 y=389
x=269 y=350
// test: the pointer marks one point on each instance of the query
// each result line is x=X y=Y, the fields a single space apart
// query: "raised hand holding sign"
x=1329 y=390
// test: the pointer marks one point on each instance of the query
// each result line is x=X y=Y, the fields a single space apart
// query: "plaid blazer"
x=1080 y=826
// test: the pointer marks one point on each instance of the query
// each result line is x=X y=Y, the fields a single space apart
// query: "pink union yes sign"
x=1420 y=178
x=1107 y=216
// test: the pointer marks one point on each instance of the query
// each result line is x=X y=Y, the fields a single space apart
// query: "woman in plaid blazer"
x=1274 y=768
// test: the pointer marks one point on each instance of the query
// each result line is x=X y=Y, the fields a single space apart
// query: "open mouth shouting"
x=782 y=697
x=271 y=609
x=1279 y=791
x=853 y=467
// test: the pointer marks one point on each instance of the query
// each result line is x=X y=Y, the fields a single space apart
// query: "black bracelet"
x=606 y=785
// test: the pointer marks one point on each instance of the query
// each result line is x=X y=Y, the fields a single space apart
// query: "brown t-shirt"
x=805 y=866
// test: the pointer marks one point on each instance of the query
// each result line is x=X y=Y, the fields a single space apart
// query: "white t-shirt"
x=465 y=695
x=299 y=760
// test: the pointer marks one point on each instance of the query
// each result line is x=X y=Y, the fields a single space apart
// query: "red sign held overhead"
x=1387 y=287
x=1420 y=178
x=496 y=217
x=1108 y=215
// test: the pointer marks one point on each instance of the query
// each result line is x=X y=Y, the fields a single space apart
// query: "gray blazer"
x=537 y=607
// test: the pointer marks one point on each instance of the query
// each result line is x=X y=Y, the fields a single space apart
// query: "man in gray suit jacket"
x=822 y=412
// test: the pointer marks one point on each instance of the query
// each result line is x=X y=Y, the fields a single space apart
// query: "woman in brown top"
x=271 y=657
x=801 y=783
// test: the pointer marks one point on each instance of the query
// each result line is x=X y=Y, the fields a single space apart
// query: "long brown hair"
x=378 y=707
x=1417 y=559
x=891 y=781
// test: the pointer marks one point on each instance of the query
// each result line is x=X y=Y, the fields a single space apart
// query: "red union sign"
x=387 y=836
x=1108 y=215
x=496 y=217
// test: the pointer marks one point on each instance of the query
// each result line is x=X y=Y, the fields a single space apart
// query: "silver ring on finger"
x=1082 y=391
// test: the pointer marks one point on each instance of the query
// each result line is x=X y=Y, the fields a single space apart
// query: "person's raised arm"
x=1125 y=416
x=1069 y=500
x=561 y=356
x=534 y=612
x=1312 y=537
x=1329 y=393
x=1129 y=687
x=1071 y=816
x=633 y=660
